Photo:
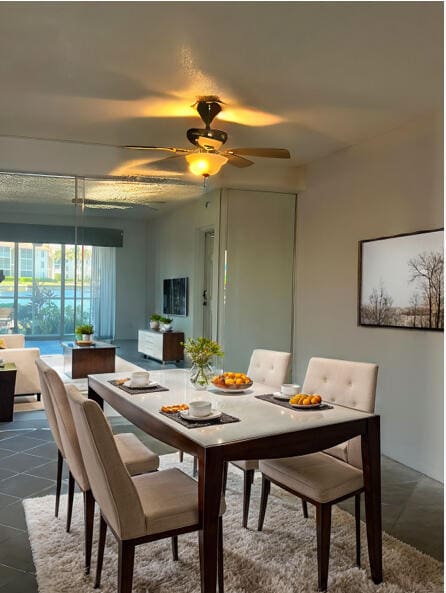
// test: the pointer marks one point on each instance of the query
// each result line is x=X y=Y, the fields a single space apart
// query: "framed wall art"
x=175 y=296
x=401 y=281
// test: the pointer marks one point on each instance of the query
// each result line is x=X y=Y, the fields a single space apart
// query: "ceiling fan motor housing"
x=207 y=139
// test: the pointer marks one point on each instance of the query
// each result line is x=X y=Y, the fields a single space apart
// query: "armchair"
x=27 y=380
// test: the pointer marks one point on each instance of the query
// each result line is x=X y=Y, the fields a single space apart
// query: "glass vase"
x=201 y=375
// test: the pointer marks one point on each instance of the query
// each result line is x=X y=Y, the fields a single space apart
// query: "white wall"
x=388 y=185
x=131 y=311
x=173 y=248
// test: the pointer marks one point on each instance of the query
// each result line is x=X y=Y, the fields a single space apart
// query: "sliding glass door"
x=47 y=288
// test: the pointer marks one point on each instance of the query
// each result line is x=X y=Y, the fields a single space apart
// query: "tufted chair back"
x=111 y=484
x=269 y=367
x=346 y=383
x=48 y=404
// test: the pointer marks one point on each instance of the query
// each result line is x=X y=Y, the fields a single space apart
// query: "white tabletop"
x=257 y=418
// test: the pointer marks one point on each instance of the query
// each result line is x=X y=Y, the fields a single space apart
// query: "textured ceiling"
x=59 y=195
x=312 y=77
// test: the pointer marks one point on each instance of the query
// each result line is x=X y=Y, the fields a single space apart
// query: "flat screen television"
x=175 y=296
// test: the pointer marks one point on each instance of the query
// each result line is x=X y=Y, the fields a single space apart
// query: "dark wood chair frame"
x=126 y=553
x=248 y=480
x=323 y=524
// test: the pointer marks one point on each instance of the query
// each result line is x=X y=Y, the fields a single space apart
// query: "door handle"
x=205 y=298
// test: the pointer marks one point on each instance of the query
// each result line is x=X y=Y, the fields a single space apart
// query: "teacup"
x=289 y=389
x=200 y=408
x=140 y=378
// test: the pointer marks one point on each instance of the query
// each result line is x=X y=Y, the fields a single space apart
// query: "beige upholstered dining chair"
x=137 y=509
x=328 y=477
x=271 y=368
x=137 y=457
x=52 y=421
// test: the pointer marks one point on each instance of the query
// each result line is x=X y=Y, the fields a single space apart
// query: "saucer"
x=212 y=416
x=281 y=396
x=131 y=386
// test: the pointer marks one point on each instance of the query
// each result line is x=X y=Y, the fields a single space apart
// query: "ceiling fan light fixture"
x=205 y=163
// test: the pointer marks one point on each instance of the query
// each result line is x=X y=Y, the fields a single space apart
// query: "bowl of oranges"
x=305 y=401
x=232 y=382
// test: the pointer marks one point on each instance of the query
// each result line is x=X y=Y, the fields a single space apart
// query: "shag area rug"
x=281 y=559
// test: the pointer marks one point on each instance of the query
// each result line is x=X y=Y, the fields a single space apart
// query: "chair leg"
x=181 y=454
x=175 y=548
x=88 y=520
x=195 y=468
x=225 y=476
x=266 y=487
x=220 y=568
x=305 y=509
x=70 y=500
x=58 y=481
x=126 y=562
x=101 y=546
x=358 y=529
x=248 y=479
x=323 y=527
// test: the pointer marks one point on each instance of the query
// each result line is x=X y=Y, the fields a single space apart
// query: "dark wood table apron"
x=211 y=460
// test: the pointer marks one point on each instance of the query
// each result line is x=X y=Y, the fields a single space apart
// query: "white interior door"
x=208 y=275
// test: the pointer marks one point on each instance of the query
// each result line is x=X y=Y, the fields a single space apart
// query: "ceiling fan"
x=207 y=156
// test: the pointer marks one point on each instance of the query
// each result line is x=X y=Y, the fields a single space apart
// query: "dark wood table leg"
x=95 y=397
x=210 y=481
x=371 y=461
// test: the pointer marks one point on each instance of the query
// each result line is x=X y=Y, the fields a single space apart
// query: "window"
x=5 y=260
x=26 y=261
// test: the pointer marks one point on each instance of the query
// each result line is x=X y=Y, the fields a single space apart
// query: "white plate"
x=212 y=416
x=281 y=396
x=149 y=384
x=300 y=407
x=232 y=390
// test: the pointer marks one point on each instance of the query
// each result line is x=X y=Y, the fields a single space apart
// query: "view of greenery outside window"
x=52 y=285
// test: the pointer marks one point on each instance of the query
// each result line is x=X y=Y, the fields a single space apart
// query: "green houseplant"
x=86 y=331
x=166 y=324
x=155 y=321
x=201 y=351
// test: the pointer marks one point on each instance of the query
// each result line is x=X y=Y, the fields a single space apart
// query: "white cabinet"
x=161 y=346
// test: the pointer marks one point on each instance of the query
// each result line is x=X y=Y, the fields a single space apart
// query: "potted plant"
x=166 y=324
x=86 y=331
x=201 y=351
x=155 y=321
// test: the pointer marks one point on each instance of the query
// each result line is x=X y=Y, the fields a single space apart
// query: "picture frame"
x=400 y=281
x=175 y=296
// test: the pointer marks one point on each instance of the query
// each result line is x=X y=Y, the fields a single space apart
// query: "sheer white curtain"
x=103 y=288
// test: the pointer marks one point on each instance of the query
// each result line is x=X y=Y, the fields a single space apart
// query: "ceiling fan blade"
x=272 y=153
x=168 y=158
x=237 y=161
x=168 y=148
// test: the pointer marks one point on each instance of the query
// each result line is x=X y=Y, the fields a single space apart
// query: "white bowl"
x=289 y=389
x=200 y=408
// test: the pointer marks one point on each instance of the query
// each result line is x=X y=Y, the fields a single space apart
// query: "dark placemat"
x=223 y=419
x=135 y=390
x=272 y=400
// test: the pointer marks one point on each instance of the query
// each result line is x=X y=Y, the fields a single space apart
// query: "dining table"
x=261 y=430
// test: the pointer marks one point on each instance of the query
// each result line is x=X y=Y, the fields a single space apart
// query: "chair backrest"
x=269 y=367
x=347 y=383
x=67 y=430
x=48 y=404
x=111 y=484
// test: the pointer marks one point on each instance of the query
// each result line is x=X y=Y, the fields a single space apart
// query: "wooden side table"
x=8 y=374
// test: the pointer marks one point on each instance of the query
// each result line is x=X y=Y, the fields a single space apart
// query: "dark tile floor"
x=412 y=502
